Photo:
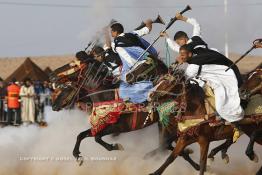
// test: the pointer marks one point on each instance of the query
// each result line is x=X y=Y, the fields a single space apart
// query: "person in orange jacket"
x=13 y=103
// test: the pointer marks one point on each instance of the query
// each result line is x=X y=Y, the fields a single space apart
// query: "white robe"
x=225 y=89
x=28 y=104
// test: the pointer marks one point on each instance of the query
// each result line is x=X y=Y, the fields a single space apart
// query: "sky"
x=46 y=29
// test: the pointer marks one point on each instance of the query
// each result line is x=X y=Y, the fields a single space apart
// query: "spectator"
x=13 y=103
x=2 y=100
x=44 y=100
x=27 y=94
x=46 y=94
x=38 y=87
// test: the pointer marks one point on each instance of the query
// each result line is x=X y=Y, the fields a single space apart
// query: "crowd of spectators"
x=24 y=102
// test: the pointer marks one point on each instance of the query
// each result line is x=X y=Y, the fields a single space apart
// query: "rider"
x=181 y=38
x=224 y=83
x=109 y=58
x=129 y=47
x=198 y=46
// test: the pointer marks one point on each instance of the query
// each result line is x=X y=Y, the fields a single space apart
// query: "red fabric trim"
x=107 y=102
x=134 y=121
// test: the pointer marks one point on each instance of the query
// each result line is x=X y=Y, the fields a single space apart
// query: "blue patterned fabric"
x=137 y=92
x=151 y=50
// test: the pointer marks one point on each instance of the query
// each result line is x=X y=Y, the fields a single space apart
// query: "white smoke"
x=30 y=150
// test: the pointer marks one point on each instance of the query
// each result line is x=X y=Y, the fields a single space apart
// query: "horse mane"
x=196 y=95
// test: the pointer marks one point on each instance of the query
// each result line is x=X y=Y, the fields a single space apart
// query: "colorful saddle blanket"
x=253 y=113
x=187 y=124
x=108 y=112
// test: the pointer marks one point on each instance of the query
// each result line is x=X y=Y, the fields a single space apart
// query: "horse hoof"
x=80 y=160
x=76 y=154
x=119 y=147
x=189 y=151
x=149 y=155
x=211 y=159
x=226 y=159
x=255 y=159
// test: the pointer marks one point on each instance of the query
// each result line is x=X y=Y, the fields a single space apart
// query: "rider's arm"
x=192 y=21
x=145 y=30
x=196 y=26
x=171 y=43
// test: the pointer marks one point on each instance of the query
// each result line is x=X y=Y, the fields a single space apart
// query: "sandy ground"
x=29 y=150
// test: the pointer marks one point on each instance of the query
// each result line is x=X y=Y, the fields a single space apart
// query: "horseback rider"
x=199 y=47
x=109 y=58
x=223 y=83
x=181 y=38
x=129 y=47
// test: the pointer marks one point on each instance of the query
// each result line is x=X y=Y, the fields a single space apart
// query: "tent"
x=28 y=69
x=48 y=70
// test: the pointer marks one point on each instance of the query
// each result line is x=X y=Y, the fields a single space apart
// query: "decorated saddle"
x=188 y=124
x=109 y=112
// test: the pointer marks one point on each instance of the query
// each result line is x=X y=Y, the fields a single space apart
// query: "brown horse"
x=100 y=90
x=203 y=134
x=251 y=87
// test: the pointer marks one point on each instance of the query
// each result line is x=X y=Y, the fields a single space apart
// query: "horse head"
x=149 y=69
x=168 y=85
x=68 y=72
x=253 y=84
x=90 y=79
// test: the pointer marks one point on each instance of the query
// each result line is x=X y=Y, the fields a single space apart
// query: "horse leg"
x=223 y=148
x=204 y=145
x=250 y=148
x=181 y=144
x=80 y=137
x=109 y=147
x=115 y=128
x=259 y=171
x=185 y=154
x=167 y=144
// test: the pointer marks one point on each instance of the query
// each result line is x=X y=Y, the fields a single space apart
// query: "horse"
x=251 y=87
x=99 y=91
x=67 y=89
x=203 y=133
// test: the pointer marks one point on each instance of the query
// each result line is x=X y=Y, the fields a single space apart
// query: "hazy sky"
x=47 y=30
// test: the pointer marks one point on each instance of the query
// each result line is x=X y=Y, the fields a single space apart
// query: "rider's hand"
x=163 y=34
x=180 y=17
x=258 y=45
x=148 y=21
x=148 y=24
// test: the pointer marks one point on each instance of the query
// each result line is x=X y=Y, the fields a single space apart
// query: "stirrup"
x=237 y=134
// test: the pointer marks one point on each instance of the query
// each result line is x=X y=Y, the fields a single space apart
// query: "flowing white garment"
x=225 y=89
x=28 y=104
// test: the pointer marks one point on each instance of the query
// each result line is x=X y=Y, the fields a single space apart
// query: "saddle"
x=142 y=71
x=253 y=114
x=109 y=112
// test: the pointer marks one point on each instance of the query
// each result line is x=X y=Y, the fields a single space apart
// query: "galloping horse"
x=99 y=91
x=202 y=133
